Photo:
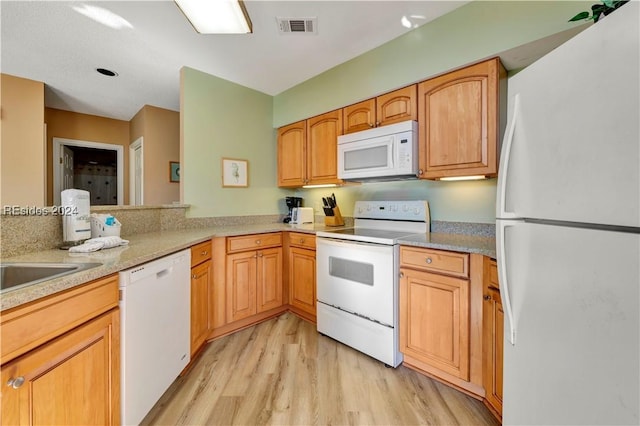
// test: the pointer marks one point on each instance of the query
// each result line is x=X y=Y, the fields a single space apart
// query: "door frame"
x=135 y=145
x=57 y=167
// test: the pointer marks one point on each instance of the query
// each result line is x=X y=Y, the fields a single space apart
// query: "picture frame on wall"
x=235 y=173
x=174 y=171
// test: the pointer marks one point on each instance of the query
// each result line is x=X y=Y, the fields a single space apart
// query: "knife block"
x=336 y=219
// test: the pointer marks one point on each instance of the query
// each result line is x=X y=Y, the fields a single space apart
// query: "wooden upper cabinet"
x=292 y=141
x=360 y=116
x=322 y=147
x=399 y=105
x=459 y=121
x=393 y=107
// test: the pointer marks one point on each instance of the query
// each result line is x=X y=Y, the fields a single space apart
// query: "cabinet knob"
x=16 y=383
x=301 y=240
x=487 y=297
x=372 y=125
x=429 y=260
x=377 y=123
x=401 y=274
x=420 y=172
x=193 y=276
x=259 y=254
x=204 y=253
x=257 y=241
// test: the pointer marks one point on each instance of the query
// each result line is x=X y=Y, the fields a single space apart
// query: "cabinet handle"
x=377 y=123
x=401 y=274
x=429 y=260
x=257 y=241
x=193 y=276
x=487 y=297
x=204 y=253
x=420 y=172
x=372 y=125
x=16 y=383
x=301 y=240
x=259 y=254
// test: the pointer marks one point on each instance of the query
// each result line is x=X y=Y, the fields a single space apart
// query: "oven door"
x=358 y=278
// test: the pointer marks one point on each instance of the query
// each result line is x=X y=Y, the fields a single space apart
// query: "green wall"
x=224 y=119
x=478 y=30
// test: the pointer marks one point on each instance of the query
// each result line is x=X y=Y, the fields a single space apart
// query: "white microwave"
x=382 y=153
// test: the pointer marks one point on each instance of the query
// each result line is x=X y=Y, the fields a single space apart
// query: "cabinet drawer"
x=200 y=253
x=254 y=241
x=439 y=261
x=492 y=274
x=27 y=327
x=298 y=239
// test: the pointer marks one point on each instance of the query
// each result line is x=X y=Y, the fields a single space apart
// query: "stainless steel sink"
x=14 y=275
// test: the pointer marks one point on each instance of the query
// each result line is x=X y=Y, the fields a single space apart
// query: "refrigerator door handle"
x=503 y=176
x=502 y=274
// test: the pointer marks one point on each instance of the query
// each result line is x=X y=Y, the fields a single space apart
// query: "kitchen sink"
x=19 y=274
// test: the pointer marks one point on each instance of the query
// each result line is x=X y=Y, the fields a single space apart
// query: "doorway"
x=136 y=172
x=92 y=166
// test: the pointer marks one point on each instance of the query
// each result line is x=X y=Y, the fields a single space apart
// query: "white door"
x=575 y=299
x=357 y=278
x=136 y=171
x=67 y=168
x=575 y=151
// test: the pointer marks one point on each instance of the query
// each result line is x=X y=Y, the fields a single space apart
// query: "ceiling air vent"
x=297 y=25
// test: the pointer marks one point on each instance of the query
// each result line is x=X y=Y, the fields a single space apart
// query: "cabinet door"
x=360 y=116
x=399 y=105
x=302 y=279
x=322 y=147
x=241 y=285
x=200 y=283
x=434 y=321
x=292 y=141
x=459 y=122
x=493 y=338
x=73 y=380
x=269 y=279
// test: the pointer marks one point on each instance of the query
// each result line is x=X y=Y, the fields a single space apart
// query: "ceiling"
x=49 y=41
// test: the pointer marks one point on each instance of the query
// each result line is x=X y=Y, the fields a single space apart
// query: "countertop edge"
x=144 y=248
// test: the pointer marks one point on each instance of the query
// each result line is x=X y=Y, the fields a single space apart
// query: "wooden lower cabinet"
x=493 y=339
x=72 y=380
x=302 y=281
x=254 y=282
x=434 y=321
x=200 y=283
x=441 y=316
x=201 y=303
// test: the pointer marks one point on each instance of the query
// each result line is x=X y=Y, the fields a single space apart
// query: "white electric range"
x=357 y=276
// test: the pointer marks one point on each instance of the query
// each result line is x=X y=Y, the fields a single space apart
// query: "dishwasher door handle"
x=164 y=273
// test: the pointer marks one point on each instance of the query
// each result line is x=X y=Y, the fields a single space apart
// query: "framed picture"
x=174 y=171
x=235 y=173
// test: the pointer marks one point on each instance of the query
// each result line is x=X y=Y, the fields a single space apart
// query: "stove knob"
x=393 y=208
x=405 y=208
x=368 y=207
x=416 y=211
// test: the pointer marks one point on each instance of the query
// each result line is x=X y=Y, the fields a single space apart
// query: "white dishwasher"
x=155 y=331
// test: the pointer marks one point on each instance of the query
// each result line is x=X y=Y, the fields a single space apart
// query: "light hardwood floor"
x=283 y=372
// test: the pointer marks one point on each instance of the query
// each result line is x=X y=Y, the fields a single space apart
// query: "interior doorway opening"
x=91 y=166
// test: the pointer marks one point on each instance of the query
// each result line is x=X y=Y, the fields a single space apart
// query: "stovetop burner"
x=383 y=222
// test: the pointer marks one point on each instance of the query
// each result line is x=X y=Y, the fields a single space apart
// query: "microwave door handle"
x=393 y=152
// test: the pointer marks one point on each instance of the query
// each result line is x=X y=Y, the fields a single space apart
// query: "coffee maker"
x=291 y=203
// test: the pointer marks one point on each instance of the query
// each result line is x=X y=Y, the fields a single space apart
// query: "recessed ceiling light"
x=107 y=72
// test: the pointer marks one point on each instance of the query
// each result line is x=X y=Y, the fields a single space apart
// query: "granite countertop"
x=146 y=247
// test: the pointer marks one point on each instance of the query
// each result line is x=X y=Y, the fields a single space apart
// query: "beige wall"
x=160 y=129
x=71 y=125
x=22 y=149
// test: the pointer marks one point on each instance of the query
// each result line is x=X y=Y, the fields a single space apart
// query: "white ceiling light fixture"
x=103 y=16
x=216 y=16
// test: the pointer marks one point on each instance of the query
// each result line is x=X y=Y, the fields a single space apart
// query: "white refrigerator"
x=568 y=231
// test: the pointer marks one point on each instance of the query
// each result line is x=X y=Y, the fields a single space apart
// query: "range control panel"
x=417 y=210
